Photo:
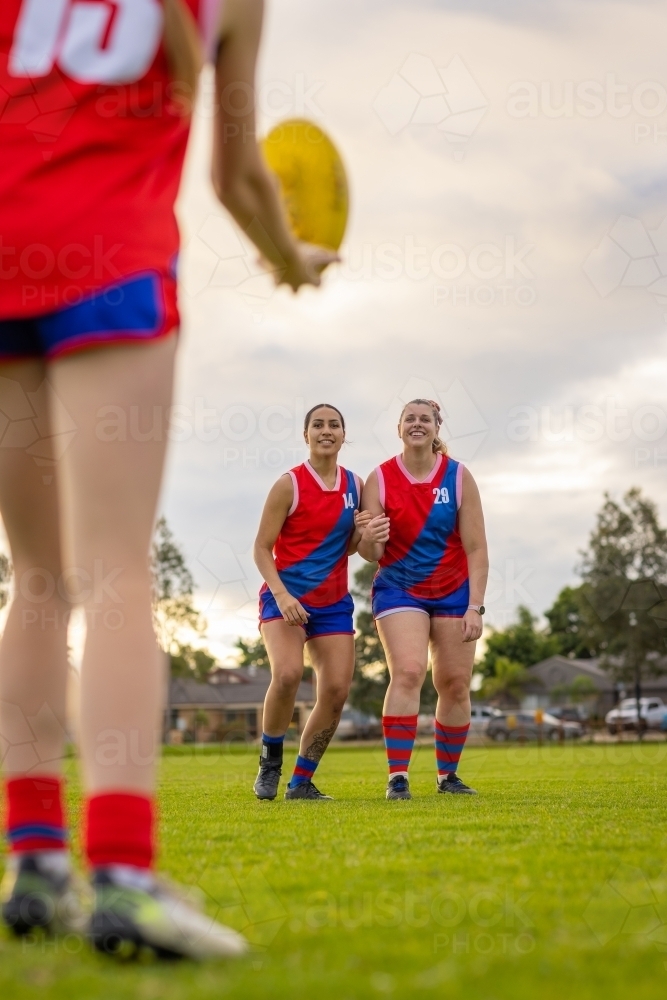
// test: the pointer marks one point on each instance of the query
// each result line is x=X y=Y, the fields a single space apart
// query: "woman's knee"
x=334 y=697
x=455 y=689
x=409 y=676
x=285 y=682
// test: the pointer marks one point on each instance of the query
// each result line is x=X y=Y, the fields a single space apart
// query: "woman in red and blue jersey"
x=306 y=535
x=427 y=533
x=95 y=111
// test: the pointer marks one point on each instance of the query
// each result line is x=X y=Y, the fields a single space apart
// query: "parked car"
x=524 y=726
x=570 y=713
x=652 y=711
x=356 y=725
x=480 y=717
x=425 y=724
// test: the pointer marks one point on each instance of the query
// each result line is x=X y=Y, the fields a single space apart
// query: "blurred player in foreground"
x=96 y=114
x=305 y=538
x=427 y=533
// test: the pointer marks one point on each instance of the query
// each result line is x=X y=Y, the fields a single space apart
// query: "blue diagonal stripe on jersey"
x=311 y=572
x=427 y=549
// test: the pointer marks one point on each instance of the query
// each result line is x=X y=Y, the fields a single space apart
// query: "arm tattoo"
x=320 y=742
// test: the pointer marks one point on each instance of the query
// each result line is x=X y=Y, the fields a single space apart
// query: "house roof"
x=561 y=670
x=185 y=692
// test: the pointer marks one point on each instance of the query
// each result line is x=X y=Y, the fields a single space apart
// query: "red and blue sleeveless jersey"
x=93 y=134
x=424 y=554
x=311 y=549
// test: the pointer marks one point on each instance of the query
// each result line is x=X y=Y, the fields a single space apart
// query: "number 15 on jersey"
x=101 y=41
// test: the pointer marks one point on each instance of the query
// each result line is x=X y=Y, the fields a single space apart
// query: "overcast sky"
x=504 y=251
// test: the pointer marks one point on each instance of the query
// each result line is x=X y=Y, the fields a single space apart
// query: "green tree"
x=624 y=569
x=200 y=719
x=569 y=620
x=507 y=682
x=189 y=662
x=521 y=642
x=371 y=675
x=177 y=622
x=582 y=687
x=252 y=652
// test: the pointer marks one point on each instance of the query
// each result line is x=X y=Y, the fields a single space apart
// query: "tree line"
x=617 y=613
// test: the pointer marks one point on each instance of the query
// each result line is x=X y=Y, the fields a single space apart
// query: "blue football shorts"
x=136 y=309
x=332 y=619
x=390 y=600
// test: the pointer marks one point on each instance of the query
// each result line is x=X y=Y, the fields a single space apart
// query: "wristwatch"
x=479 y=608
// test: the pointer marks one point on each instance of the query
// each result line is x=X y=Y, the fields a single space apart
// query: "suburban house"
x=560 y=680
x=227 y=707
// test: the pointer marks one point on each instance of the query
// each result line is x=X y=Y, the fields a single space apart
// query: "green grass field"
x=551 y=883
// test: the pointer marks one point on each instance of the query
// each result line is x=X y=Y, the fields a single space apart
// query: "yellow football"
x=312 y=179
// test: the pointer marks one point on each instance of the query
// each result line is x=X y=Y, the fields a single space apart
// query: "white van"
x=480 y=716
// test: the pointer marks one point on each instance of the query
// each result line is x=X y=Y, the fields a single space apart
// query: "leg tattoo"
x=320 y=742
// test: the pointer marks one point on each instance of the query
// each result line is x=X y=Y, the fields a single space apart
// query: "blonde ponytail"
x=182 y=45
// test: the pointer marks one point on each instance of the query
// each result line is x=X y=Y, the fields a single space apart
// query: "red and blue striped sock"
x=449 y=743
x=304 y=769
x=35 y=814
x=399 y=739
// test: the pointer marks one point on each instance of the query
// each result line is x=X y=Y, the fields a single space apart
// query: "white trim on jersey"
x=411 y=478
x=381 y=487
x=321 y=482
x=209 y=25
x=295 y=500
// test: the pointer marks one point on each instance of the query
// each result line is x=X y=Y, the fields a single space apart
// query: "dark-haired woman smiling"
x=306 y=535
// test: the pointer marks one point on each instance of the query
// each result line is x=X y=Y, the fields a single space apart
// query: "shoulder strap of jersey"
x=293 y=474
x=455 y=469
x=210 y=12
x=351 y=479
x=380 y=473
x=459 y=484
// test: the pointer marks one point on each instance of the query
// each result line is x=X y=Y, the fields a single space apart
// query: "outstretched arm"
x=275 y=511
x=241 y=179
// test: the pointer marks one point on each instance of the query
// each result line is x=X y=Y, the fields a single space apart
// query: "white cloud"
x=558 y=183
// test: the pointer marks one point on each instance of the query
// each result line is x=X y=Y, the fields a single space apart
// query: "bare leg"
x=33 y=652
x=333 y=660
x=405 y=638
x=284 y=644
x=109 y=481
x=452 y=670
